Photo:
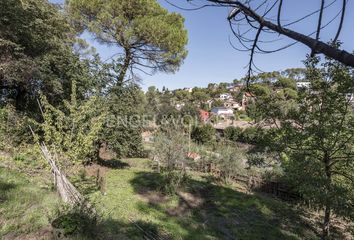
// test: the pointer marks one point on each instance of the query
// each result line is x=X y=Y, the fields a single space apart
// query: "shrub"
x=230 y=160
x=173 y=180
x=252 y=135
x=171 y=154
x=77 y=221
x=13 y=127
x=72 y=132
x=203 y=134
x=232 y=133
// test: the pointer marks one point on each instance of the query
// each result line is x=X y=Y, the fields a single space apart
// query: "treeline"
x=190 y=99
x=53 y=81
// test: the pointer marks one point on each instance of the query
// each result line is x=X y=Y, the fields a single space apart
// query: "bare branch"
x=319 y=23
x=341 y=21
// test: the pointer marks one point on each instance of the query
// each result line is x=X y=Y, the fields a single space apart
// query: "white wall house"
x=225 y=96
x=188 y=89
x=222 y=111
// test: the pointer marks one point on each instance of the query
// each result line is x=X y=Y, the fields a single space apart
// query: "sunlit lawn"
x=133 y=207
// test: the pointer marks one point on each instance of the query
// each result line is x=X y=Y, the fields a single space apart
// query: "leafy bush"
x=252 y=135
x=173 y=180
x=74 y=131
x=203 y=134
x=122 y=133
x=230 y=160
x=171 y=154
x=76 y=221
x=232 y=133
x=13 y=127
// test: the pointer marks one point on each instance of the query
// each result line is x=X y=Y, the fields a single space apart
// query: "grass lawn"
x=25 y=206
x=133 y=208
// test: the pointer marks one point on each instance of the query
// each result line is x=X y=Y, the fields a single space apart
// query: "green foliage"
x=260 y=90
x=37 y=54
x=315 y=137
x=285 y=83
x=74 y=131
x=189 y=110
x=217 y=103
x=199 y=95
x=122 y=132
x=171 y=154
x=77 y=221
x=250 y=135
x=172 y=181
x=152 y=100
x=26 y=203
x=231 y=161
x=146 y=33
x=14 y=127
x=232 y=133
x=182 y=95
x=203 y=134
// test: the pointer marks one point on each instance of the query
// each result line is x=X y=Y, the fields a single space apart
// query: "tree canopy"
x=315 y=137
x=38 y=54
x=149 y=38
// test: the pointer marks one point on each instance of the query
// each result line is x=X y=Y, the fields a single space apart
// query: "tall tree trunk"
x=20 y=99
x=327 y=216
x=326 y=222
x=125 y=66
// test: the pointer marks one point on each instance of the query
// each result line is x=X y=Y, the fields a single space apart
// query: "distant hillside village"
x=227 y=104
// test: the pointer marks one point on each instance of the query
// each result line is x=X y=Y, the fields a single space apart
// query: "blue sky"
x=212 y=59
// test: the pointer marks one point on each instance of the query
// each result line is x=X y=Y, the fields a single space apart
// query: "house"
x=235 y=88
x=225 y=96
x=233 y=105
x=303 y=85
x=203 y=115
x=188 y=89
x=222 y=111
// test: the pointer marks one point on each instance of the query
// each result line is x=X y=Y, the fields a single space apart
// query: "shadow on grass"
x=79 y=225
x=113 y=164
x=208 y=211
x=4 y=188
x=86 y=185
